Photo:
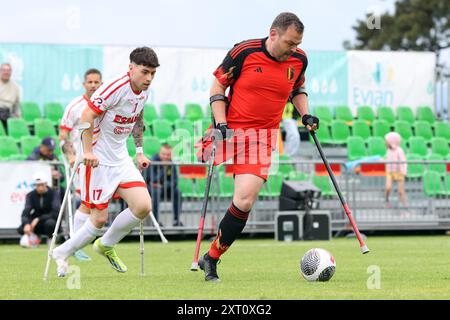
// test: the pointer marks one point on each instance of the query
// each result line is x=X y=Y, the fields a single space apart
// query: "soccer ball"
x=30 y=241
x=317 y=265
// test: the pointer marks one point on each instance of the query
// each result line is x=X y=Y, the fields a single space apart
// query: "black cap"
x=49 y=142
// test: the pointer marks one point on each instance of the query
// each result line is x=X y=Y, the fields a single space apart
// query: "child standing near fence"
x=394 y=171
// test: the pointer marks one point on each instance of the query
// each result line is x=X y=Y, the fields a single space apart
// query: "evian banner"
x=377 y=78
x=15 y=182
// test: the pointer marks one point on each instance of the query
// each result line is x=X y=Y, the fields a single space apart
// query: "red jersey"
x=260 y=84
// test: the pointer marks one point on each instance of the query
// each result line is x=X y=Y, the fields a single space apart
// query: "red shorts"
x=250 y=154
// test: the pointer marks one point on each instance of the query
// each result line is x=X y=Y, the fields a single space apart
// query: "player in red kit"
x=262 y=74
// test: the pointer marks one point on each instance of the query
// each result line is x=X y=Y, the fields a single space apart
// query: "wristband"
x=139 y=150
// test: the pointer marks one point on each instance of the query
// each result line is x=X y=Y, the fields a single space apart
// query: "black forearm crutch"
x=194 y=266
x=364 y=248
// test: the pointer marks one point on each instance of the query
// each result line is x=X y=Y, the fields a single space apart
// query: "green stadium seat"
x=356 y=149
x=131 y=147
x=324 y=114
x=376 y=146
x=361 y=129
x=405 y=113
x=54 y=112
x=17 y=128
x=226 y=185
x=150 y=113
x=57 y=150
x=184 y=128
x=169 y=111
x=324 y=184
x=423 y=129
x=298 y=176
x=442 y=130
x=403 y=128
x=432 y=184
x=186 y=187
x=447 y=185
x=418 y=146
x=365 y=113
x=285 y=168
x=340 y=131
x=415 y=170
x=439 y=146
x=30 y=112
x=44 y=128
x=272 y=188
x=193 y=112
x=386 y=113
x=323 y=135
x=380 y=128
x=28 y=143
x=344 y=113
x=425 y=113
x=162 y=129
x=438 y=167
x=9 y=149
x=200 y=186
x=151 y=146
x=2 y=130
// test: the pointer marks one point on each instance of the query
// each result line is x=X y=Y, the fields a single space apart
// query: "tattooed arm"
x=138 y=135
x=138 y=130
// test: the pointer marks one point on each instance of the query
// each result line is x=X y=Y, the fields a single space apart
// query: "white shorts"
x=98 y=185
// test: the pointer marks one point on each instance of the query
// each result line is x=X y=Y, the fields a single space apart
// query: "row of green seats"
x=356 y=147
x=339 y=131
x=435 y=185
x=18 y=128
x=170 y=112
x=367 y=113
x=12 y=150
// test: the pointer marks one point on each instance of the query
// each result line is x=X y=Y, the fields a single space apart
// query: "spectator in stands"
x=292 y=143
x=395 y=172
x=9 y=95
x=162 y=181
x=46 y=152
x=41 y=209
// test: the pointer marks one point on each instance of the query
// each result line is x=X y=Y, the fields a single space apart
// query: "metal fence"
x=427 y=187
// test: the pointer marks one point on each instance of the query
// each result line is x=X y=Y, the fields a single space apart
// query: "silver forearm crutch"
x=82 y=127
x=69 y=200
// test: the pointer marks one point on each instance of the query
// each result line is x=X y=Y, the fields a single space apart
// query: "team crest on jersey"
x=290 y=73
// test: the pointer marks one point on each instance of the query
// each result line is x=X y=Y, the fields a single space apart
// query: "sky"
x=177 y=23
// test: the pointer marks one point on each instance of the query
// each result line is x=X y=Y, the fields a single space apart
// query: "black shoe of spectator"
x=178 y=224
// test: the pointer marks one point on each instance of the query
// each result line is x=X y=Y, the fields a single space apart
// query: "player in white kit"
x=69 y=141
x=114 y=112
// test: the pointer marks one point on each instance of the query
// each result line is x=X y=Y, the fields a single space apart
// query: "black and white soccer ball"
x=318 y=265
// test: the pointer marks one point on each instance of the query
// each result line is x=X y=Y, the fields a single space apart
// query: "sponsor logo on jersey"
x=122 y=130
x=124 y=120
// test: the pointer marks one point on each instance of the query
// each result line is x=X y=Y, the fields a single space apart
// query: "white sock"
x=121 y=226
x=79 y=219
x=81 y=238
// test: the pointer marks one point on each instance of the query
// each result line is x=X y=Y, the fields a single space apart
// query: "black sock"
x=230 y=228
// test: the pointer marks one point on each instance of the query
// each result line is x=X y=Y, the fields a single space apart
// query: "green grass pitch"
x=410 y=267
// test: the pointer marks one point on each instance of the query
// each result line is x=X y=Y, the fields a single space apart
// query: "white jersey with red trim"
x=71 y=119
x=119 y=107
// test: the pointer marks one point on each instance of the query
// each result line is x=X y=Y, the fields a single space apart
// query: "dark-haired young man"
x=263 y=74
x=69 y=141
x=114 y=111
